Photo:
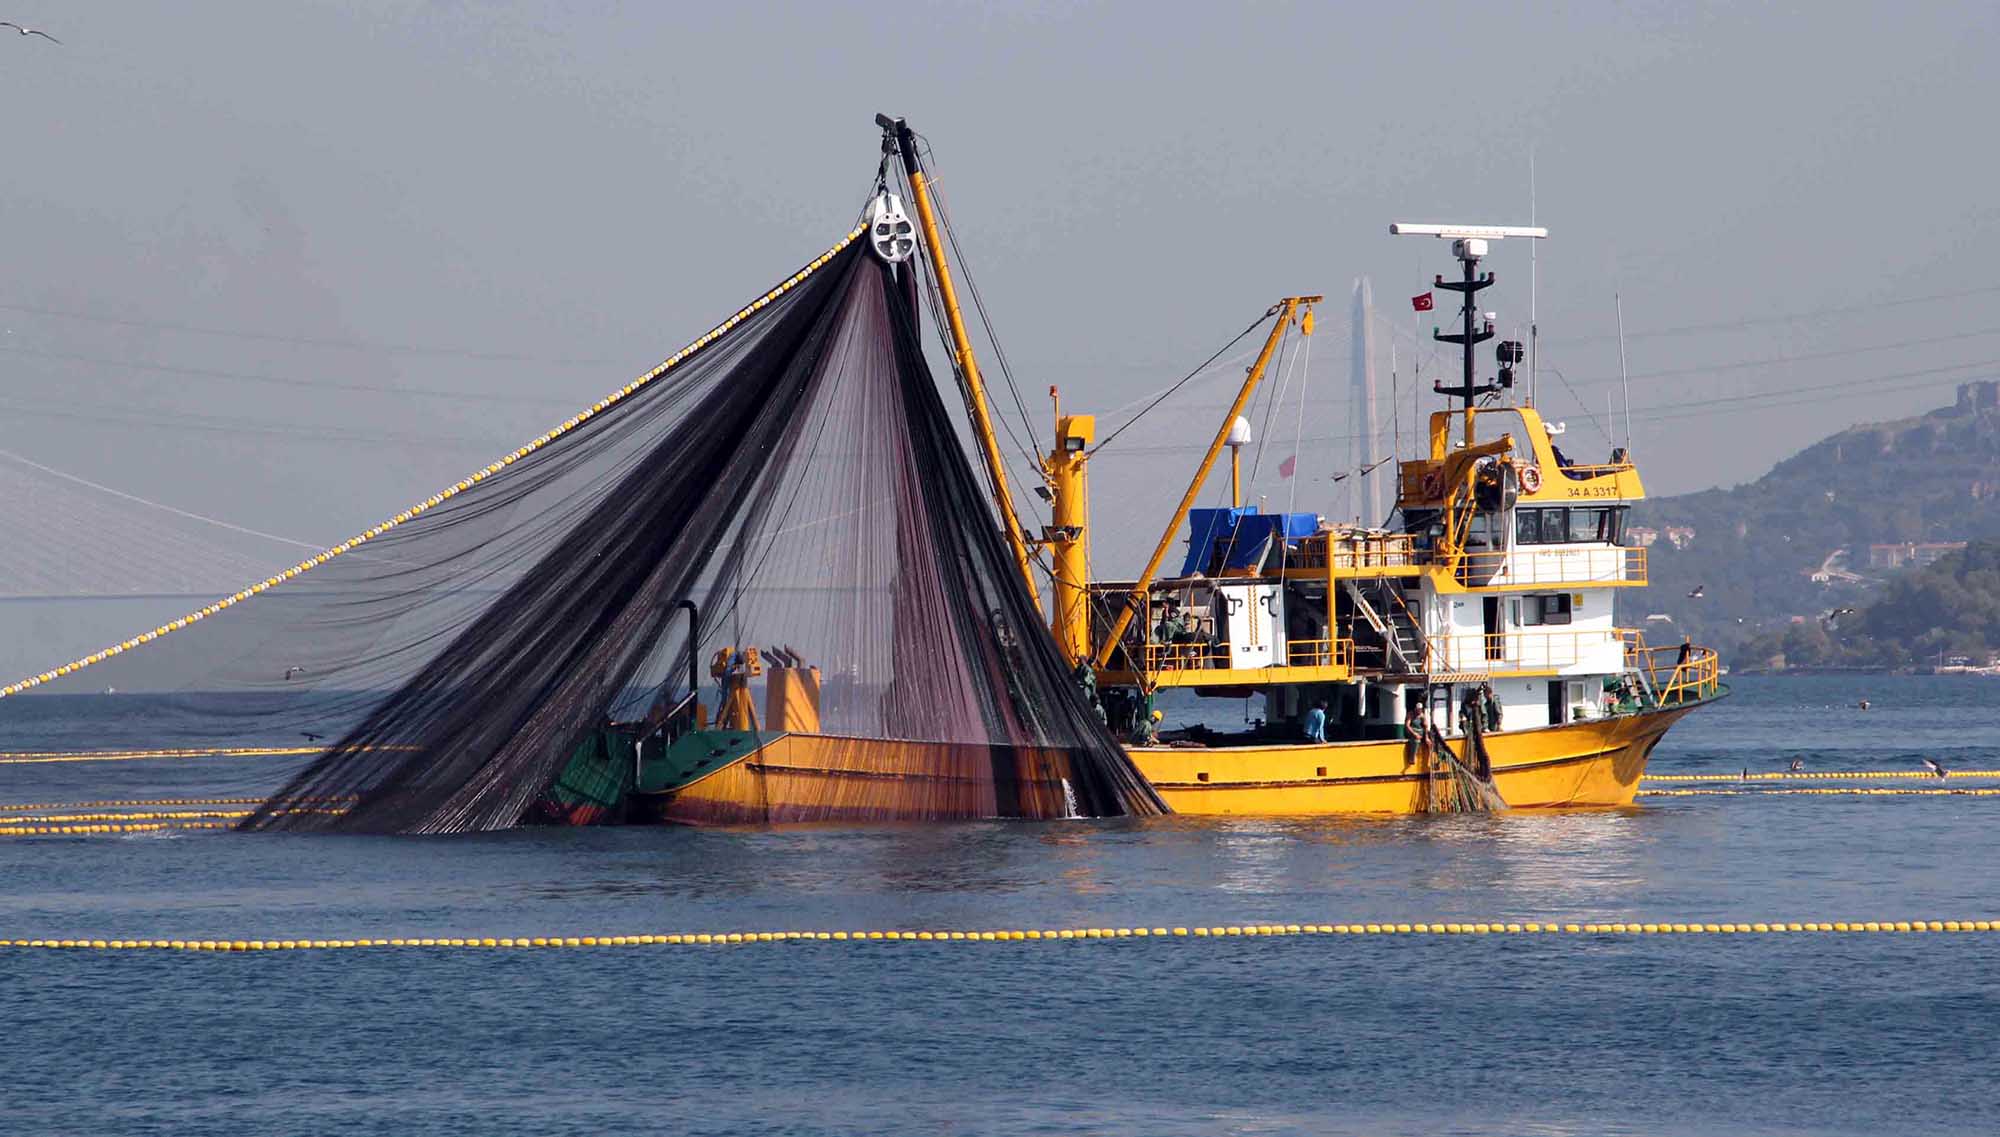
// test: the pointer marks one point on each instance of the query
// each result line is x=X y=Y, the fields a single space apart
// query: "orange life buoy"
x=1531 y=479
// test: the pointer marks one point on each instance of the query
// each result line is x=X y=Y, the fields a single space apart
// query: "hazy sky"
x=430 y=230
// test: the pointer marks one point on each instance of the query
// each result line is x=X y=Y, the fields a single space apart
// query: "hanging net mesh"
x=795 y=479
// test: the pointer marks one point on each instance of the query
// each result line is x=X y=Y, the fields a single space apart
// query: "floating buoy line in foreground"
x=152 y=815
x=1817 y=775
x=1224 y=931
x=1829 y=791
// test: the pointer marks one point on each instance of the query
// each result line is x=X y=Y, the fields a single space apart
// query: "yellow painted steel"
x=968 y=369
x=449 y=492
x=1594 y=763
x=1286 y=310
x=791 y=699
x=1181 y=932
x=1069 y=532
x=824 y=777
x=1420 y=487
x=1337 y=672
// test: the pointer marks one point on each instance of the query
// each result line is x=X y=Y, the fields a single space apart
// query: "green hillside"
x=1948 y=612
x=1756 y=547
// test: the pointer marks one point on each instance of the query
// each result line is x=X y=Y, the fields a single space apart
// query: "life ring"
x=1531 y=479
x=1433 y=484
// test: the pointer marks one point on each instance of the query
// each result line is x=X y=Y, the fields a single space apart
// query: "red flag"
x=1288 y=466
x=1421 y=303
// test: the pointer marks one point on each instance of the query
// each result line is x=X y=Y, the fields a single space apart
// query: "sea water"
x=1552 y=1034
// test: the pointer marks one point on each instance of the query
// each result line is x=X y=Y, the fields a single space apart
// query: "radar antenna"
x=1469 y=243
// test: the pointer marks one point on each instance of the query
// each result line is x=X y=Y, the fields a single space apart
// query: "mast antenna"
x=1624 y=376
x=1469 y=243
x=1534 y=285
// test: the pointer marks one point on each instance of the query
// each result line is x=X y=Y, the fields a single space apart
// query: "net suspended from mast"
x=797 y=479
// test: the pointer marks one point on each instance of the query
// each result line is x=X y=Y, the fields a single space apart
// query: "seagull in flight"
x=29 y=31
x=311 y=737
x=291 y=671
x=1935 y=767
x=1699 y=589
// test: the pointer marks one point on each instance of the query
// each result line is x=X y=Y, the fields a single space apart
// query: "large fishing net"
x=792 y=482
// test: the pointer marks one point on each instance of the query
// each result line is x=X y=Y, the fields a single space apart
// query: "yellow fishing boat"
x=1464 y=654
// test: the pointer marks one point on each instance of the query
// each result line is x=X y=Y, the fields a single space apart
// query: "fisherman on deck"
x=1489 y=706
x=1316 y=722
x=1471 y=715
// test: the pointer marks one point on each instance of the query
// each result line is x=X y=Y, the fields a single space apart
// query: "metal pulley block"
x=890 y=233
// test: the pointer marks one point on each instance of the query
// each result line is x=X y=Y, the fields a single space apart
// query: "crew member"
x=1316 y=722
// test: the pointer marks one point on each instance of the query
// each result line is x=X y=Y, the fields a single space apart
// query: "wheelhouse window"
x=1536 y=610
x=1564 y=525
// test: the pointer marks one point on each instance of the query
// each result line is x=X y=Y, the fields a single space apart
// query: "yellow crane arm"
x=1286 y=309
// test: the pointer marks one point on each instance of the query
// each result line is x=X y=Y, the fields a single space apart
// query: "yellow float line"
x=7 y=823
x=448 y=493
x=1016 y=935
x=1831 y=776
x=149 y=801
x=136 y=827
x=32 y=758
x=1850 y=791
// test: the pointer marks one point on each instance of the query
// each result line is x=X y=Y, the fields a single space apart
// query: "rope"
x=35 y=758
x=447 y=494
x=1012 y=935
x=1299 y=426
x=1183 y=381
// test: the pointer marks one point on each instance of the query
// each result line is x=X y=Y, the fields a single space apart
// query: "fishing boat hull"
x=714 y=777
x=792 y=778
x=1583 y=764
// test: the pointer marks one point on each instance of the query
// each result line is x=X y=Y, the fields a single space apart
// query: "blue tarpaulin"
x=1242 y=531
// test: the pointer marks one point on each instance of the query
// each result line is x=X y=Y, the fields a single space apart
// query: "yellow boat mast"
x=897 y=133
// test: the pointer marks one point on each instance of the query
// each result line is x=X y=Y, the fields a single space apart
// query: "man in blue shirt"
x=1316 y=722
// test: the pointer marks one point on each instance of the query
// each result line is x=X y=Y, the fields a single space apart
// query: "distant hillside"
x=1768 y=551
x=1947 y=613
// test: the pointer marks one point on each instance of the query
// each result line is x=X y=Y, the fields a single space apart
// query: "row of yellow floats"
x=1026 y=935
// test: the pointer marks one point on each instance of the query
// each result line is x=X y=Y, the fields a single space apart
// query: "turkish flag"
x=1421 y=303
x=1288 y=467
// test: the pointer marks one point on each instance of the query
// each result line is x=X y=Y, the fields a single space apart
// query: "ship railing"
x=1185 y=656
x=1357 y=552
x=1500 y=568
x=1522 y=651
x=1319 y=653
x=1677 y=673
x=1204 y=655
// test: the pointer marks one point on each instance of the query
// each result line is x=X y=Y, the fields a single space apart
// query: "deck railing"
x=1679 y=673
x=1352 y=552
x=1202 y=656
x=1533 y=564
x=1520 y=651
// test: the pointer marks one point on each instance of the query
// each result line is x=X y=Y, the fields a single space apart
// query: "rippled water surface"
x=1552 y=1034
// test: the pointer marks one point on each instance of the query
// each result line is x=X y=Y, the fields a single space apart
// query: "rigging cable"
x=1184 y=380
x=972 y=287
